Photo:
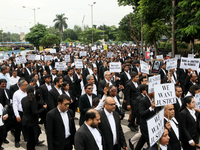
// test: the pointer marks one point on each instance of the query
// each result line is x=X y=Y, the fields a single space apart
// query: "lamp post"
x=34 y=12
x=20 y=34
x=92 y=20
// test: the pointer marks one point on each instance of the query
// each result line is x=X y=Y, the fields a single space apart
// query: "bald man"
x=110 y=126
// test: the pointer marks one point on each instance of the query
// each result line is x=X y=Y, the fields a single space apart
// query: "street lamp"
x=92 y=20
x=33 y=10
x=20 y=33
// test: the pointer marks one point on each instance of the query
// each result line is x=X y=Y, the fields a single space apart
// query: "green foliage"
x=36 y=33
x=50 y=39
x=5 y=48
x=169 y=45
x=10 y=37
x=53 y=30
x=21 y=48
x=77 y=29
x=111 y=32
x=197 y=47
x=67 y=40
x=69 y=33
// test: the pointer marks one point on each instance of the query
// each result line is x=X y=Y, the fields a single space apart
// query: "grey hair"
x=89 y=77
x=106 y=72
x=21 y=82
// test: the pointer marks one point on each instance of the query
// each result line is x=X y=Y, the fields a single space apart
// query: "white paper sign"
x=159 y=57
x=23 y=59
x=155 y=127
x=94 y=48
x=115 y=67
x=48 y=57
x=83 y=53
x=178 y=56
x=37 y=57
x=171 y=63
x=187 y=63
x=52 y=50
x=6 y=57
x=190 y=55
x=144 y=67
x=67 y=58
x=109 y=54
x=18 y=60
x=197 y=100
x=60 y=65
x=170 y=54
x=164 y=94
x=78 y=63
x=154 y=80
x=31 y=57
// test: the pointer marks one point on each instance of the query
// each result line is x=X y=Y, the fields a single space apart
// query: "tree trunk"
x=192 y=44
x=155 y=45
x=61 y=32
x=132 y=35
x=142 y=37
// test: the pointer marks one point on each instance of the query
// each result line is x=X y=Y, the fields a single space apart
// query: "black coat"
x=177 y=108
x=102 y=85
x=123 y=79
x=26 y=75
x=55 y=129
x=84 y=139
x=44 y=92
x=52 y=98
x=105 y=128
x=3 y=99
x=84 y=106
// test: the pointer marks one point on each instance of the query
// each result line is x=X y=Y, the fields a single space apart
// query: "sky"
x=14 y=17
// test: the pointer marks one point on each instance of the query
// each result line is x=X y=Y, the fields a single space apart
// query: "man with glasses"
x=179 y=101
x=85 y=102
x=60 y=126
x=18 y=111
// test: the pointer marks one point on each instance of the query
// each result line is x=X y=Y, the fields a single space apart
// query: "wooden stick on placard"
x=158 y=144
x=167 y=112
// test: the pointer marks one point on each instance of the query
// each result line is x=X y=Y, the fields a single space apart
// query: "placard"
x=60 y=65
x=115 y=67
x=23 y=59
x=164 y=94
x=83 y=53
x=159 y=57
x=78 y=63
x=20 y=60
x=154 y=80
x=94 y=48
x=147 y=56
x=31 y=57
x=144 y=67
x=67 y=58
x=37 y=57
x=190 y=55
x=48 y=57
x=155 y=127
x=2 y=55
x=178 y=56
x=105 y=47
x=197 y=100
x=171 y=63
x=6 y=56
x=52 y=50
x=187 y=63
x=109 y=54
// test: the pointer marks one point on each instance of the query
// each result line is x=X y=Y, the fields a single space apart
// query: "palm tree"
x=60 y=24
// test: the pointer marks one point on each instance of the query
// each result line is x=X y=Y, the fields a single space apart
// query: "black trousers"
x=134 y=114
x=141 y=142
x=31 y=139
x=2 y=130
x=68 y=143
x=18 y=128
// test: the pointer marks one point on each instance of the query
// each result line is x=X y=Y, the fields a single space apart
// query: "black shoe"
x=136 y=128
x=130 y=144
x=132 y=129
x=2 y=148
x=6 y=141
x=17 y=145
x=39 y=142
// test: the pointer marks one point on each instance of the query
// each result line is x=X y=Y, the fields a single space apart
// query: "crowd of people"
x=36 y=93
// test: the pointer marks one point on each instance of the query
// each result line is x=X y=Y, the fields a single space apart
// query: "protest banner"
x=109 y=54
x=52 y=50
x=37 y=57
x=41 y=48
x=144 y=67
x=6 y=56
x=31 y=57
x=197 y=100
x=154 y=80
x=159 y=57
x=23 y=59
x=155 y=127
x=190 y=55
x=171 y=63
x=164 y=94
x=67 y=58
x=178 y=56
x=147 y=56
x=2 y=55
x=115 y=67
x=83 y=53
x=60 y=65
x=105 y=47
x=78 y=63
x=48 y=57
x=191 y=63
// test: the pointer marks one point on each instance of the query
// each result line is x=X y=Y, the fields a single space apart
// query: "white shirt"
x=65 y=120
x=8 y=76
x=163 y=147
x=174 y=127
x=97 y=136
x=96 y=77
x=17 y=97
x=67 y=93
x=90 y=71
x=90 y=99
x=48 y=87
x=38 y=83
x=179 y=101
x=112 y=123
x=1 y=115
x=192 y=112
x=128 y=75
x=53 y=77
x=59 y=91
x=6 y=94
x=28 y=71
x=135 y=83
x=13 y=80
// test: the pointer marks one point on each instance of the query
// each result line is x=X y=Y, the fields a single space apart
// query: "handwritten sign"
x=31 y=57
x=83 y=53
x=52 y=50
x=78 y=63
x=144 y=67
x=197 y=100
x=171 y=63
x=187 y=63
x=159 y=57
x=109 y=54
x=48 y=57
x=67 y=58
x=60 y=65
x=154 y=80
x=115 y=67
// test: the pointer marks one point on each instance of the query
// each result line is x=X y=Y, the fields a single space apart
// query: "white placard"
x=37 y=57
x=144 y=67
x=18 y=60
x=60 y=65
x=31 y=57
x=171 y=63
x=197 y=100
x=155 y=127
x=78 y=63
x=83 y=53
x=159 y=57
x=82 y=47
x=178 y=56
x=190 y=55
x=67 y=58
x=109 y=54
x=6 y=57
x=94 y=48
x=164 y=94
x=187 y=63
x=170 y=54
x=48 y=57
x=154 y=80
x=115 y=67
x=23 y=59
x=52 y=50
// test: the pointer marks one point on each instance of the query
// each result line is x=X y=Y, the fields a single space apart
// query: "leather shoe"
x=132 y=129
x=17 y=145
x=6 y=141
x=39 y=142
x=130 y=144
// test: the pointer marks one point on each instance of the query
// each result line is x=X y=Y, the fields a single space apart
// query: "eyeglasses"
x=180 y=91
x=89 y=88
x=111 y=104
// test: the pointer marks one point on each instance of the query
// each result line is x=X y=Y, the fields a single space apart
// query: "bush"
x=168 y=45
x=5 y=48
x=32 y=48
x=22 y=48
x=182 y=46
x=197 y=47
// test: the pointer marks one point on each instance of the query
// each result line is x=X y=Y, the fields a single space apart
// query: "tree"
x=111 y=32
x=77 y=29
x=50 y=39
x=36 y=33
x=69 y=33
x=53 y=30
x=60 y=23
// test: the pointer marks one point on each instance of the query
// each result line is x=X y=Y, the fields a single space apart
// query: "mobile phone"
x=107 y=85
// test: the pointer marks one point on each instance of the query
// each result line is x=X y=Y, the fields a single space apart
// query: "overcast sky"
x=13 y=14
